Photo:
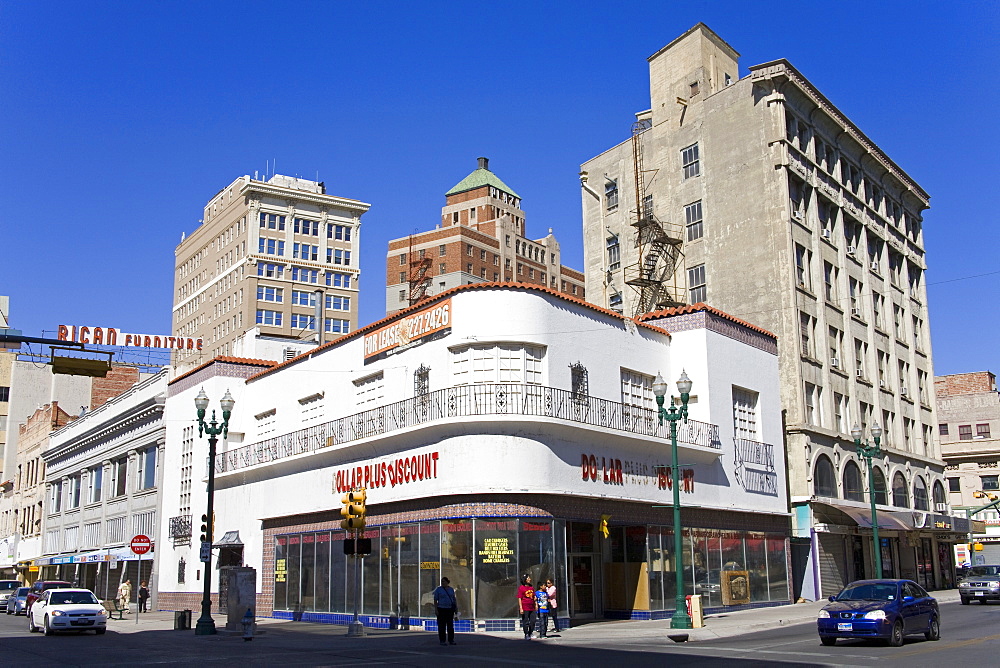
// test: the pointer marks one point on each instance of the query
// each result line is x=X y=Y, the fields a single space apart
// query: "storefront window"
x=307 y=569
x=409 y=571
x=389 y=567
x=371 y=580
x=757 y=565
x=322 y=587
x=657 y=567
x=457 y=559
x=536 y=550
x=280 y=572
x=339 y=572
x=496 y=568
x=430 y=566
x=294 y=552
x=777 y=568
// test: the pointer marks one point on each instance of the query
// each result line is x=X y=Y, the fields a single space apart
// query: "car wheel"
x=965 y=600
x=896 y=639
x=31 y=625
x=100 y=632
x=47 y=630
x=827 y=640
x=934 y=632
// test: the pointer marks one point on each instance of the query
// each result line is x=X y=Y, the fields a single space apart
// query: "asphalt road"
x=970 y=636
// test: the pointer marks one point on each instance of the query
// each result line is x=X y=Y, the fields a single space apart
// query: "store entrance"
x=583 y=571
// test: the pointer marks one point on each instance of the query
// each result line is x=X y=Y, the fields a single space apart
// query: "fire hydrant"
x=248 y=622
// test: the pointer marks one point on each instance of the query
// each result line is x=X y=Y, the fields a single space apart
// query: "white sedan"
x=67 y=610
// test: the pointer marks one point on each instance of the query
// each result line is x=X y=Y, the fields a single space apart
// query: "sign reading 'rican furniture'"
x=111 y=336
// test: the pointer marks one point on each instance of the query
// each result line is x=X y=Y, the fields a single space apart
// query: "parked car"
x=15 y=602
x=67 y=610
x=981 y=583
x=886 y=609
x=7 y=587
x=41 y=585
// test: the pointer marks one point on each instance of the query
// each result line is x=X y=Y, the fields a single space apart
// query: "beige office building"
x=272 y=261
x=758 y=196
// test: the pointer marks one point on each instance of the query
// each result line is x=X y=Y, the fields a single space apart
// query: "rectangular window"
x=303 y=275
x=990 y=483
x=338 y=280
x=745 y=413
x=982 y=431
x=268 y=294
x=338 y=256
x=96 y=483
x=343 y=233
x=965 y=432
x=690 y=161
x=830 y=274
x=121 y=476
x=300 y=321
x=338 y=303
x=807 y=329
x=836 y=342
x=611 y=195
x=370 y=391
x=954 y=484
x=814 y=403
x=303 y=298
x=840 y=413
x=4 y=393
x=147 y=472
x=270 y=270
x=337 y=326
x=272 y=318
x=305 y=251
x=860 y=353
x=803 y=272
x=272 y=221
x=693 y=220
x=855 y=288
x=402 y=259
x=74 y=492
x=303 y=226
x=637 y=389
x=614 y=253
x=697 y=288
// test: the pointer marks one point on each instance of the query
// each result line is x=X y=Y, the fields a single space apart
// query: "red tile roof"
x=228 y=360
x=703 y=307
x=486 y=285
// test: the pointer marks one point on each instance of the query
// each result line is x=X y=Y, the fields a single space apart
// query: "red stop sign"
x=140 y=544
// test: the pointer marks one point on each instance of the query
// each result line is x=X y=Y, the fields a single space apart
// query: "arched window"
x=938 y=494
x=920 y=494
x=900 y=497
x=881 y=491
x=853 y=488
x=824 y=479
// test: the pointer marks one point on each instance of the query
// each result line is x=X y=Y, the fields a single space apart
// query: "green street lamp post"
x=681 y=619
x=206 y=625
x=868 y=451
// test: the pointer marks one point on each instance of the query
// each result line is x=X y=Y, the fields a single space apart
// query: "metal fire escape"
x=654 y=274
x=419 y=276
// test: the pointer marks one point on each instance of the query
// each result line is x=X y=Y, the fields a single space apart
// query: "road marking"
x=927 y=647
x=470 y=657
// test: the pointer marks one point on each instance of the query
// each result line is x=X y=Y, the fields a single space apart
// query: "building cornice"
x=279 y=192
x=117 y=424
x=782 y=69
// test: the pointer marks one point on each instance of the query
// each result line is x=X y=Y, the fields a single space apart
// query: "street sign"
x=140 y=544
x=206 y=551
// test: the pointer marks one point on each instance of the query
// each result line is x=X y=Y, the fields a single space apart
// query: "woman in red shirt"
x=526 y=603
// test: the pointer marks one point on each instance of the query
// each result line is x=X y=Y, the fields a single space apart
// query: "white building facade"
x=103 y=481
x=494 y=427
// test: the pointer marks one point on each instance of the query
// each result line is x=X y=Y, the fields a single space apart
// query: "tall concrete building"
x=757 y=195
x=481 y=238
x=968 y=408
x=275 y=258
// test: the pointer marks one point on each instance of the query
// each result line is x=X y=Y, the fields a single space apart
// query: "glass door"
x=581 y=574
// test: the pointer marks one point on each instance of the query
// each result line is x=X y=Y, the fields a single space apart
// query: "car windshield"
x=9 y=586
x=869 y=592
x=72 y=598
x=983 y=570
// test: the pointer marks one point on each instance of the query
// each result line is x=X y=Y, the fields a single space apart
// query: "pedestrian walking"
x=143 y=596
x=446 y=605
x=526 y=604
x=550 y=589
x=125 y=595
x=542 y=608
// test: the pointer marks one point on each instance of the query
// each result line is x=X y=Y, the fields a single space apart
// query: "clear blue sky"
x=118 y=121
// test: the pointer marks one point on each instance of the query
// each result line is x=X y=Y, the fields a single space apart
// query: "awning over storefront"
x=230 y=539
x=830 y=513
x=82 y=558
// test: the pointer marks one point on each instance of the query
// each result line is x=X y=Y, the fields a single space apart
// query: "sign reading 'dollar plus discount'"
x=408 y=330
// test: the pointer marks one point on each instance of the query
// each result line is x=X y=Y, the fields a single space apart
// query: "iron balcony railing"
x=180 y=527
x=469 y=401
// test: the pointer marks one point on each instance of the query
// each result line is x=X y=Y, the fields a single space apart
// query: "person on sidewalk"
x=125 y=595
x=526 y=603
x=542 y=608
x=446 y=605
x=143 y=596
x=553 y=612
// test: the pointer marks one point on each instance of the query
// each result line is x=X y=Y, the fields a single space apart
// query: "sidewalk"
x=718 y=625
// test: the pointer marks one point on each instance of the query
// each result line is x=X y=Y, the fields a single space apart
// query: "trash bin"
x=182 y=620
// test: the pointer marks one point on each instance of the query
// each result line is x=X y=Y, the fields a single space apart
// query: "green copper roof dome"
x=482 y=176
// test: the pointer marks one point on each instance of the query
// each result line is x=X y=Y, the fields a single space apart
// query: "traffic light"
x=603 y=526
x=204 y=528
x=353 y=511
x=985 y=495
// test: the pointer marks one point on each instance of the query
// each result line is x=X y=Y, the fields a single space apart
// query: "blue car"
x=885 y=609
